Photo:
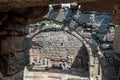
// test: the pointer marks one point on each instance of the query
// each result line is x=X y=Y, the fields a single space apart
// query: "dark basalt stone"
x=102 y=37
x=12 y=64
x=10 y=45
x=105 y=46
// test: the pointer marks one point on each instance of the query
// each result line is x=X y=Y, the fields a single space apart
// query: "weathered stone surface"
x=110 y=37
x=116 y=14
x=104 y=17
x=84 y=18
x=87 y=35
x=116 y=56
x=6 y=5
x=111 y=29
x=96 y=51
x=17 y=76
x=13 y=64
x=108 y=53
x=102 y=37
x=62 y=50
x=103 y=29
x=73 y=25
x=105 y=46
x=109 y=71
x=11 y=45
x=16 y=4
x=12 y=26
x=94 y=45
x=100 y=6
x=116 y=43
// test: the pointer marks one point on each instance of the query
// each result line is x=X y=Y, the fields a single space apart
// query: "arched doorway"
x=64 y=54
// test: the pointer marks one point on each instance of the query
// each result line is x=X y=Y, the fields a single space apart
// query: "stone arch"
x=97 y=59
x=93 y=61
x=70 y=22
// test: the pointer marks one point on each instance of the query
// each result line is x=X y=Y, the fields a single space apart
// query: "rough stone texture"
x=30 y=9
x=94 y=45
x=100 y=6
x=62 y=49
x=13 y=64
x=111 y=29
x=116 y=14
x=14 y=46
x=102 y=37
x=101 y=45
x=6 y=5
x=51 y=76
x=116 y=45
x=104 y=52
x=105 y=46
x=108 y=53
x=111 y=72
x=59 y=52
x=103 y=29
x=110 y=37
x=17 y=76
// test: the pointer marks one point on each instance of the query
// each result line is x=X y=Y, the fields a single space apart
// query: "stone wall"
x=58 y=50
x=14 y=47
x=101 y=38
x=99 y=33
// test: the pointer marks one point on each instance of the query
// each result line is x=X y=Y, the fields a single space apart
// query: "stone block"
x=111 y=29
x=103 y=29
x=110 y=37
x=94 y=45
x=102 y=37
x=11 y=45
x=105 y=18
x=73 y=25
x=105 y=46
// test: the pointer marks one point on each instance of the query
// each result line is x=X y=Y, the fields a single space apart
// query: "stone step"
x=78 y=79
x=54 y=77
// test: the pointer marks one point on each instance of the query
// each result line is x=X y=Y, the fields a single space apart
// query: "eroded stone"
x=12 y=45
x=110 y=37
x=102 y=37
x=13 y=64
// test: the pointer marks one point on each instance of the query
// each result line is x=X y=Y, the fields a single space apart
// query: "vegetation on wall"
x=51 y=22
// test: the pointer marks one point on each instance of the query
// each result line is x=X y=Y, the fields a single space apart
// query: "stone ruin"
x=60 y=50
x=15 y=45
